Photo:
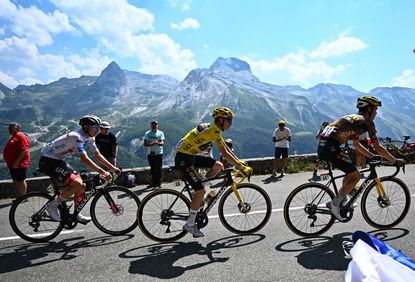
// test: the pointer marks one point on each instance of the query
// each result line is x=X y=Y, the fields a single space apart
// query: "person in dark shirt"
x=107 y=143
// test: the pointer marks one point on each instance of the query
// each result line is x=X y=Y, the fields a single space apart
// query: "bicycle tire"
x=28 y=226
x=239 y=222
x=156 y=218
x=386 y=216
x=109 y=221
x=300 y=210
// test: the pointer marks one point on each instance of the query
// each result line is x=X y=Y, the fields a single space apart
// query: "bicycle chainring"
x=201 y=219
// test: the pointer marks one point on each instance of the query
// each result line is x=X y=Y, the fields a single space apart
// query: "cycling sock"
x=192 y=218
x=339 y=198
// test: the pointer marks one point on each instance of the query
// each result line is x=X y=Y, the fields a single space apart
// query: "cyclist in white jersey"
x=53 y=163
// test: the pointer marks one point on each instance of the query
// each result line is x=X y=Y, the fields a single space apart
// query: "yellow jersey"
x=198 y=139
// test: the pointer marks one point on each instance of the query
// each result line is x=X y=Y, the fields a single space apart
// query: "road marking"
x=39 y=235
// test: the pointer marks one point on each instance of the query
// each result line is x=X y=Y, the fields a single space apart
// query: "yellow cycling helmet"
x=365 y=101
x=222 y=112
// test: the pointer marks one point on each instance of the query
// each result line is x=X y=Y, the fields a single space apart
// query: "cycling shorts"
x=58 y=170
x=329 y=150
x=187 y=164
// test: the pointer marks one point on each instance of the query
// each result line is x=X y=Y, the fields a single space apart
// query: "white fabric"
x=279 y=134
x=369 y=265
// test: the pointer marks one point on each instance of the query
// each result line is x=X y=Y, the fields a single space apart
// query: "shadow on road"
x=30 y=254
x=272 y=179
x=164 y=256
x=326 y=253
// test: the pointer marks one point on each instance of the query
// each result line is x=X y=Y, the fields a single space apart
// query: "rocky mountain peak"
x=230 y=65
x=111 y=79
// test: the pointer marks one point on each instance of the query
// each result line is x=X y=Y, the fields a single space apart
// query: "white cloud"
x=2 y=31
x=306 y=68
x=185 y=24
x=7 y=80
x=407 y=79
x=35 y=25
x=159 y=54
x=184 y=4
x=341 y=46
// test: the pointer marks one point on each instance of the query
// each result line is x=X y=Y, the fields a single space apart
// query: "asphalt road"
x=273 y=254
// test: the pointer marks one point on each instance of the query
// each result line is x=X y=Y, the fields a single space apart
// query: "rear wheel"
x=114 y=210
x=305 y=212
x=162 y=214
x=386 y=212
x=30 y=220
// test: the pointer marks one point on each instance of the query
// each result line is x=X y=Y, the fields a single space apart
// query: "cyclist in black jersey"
x=349 y=128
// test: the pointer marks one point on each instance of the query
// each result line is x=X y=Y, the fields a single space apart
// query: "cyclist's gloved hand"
x=243 y=163
x=399 y=162
x=246 y=170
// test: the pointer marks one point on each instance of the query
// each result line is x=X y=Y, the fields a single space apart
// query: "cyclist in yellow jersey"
x=188 y=160
x=349 y=128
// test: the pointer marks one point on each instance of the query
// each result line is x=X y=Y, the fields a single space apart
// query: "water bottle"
x=210 y=196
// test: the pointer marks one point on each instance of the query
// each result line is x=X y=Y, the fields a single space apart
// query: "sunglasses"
x=229 y=120
x=95 y=128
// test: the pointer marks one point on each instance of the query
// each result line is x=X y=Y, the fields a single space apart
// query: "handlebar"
x=105 y=184
x=387 y=163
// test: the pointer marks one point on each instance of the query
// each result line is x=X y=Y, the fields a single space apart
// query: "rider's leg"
x=215 y=169
x=349 y=182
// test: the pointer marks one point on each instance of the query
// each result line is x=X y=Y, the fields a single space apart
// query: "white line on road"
x=40 y=235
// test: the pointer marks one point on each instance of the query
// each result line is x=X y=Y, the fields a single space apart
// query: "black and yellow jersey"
x=348 y=128
x=198 y=139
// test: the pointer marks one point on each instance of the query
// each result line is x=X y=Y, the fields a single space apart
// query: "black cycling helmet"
x=365 y=101
x=90 y=120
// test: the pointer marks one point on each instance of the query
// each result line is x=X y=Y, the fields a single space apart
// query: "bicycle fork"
x=244 y=208
x=383 y=200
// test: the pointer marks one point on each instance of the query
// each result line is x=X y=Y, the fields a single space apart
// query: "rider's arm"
x=102 y=160
x=362 y=150
x=229 y=155
x=88 y=162
x=382 y=151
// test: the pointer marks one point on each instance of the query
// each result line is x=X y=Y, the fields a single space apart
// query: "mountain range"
x=130 y=100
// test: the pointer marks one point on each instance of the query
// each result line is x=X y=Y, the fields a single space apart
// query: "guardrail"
x=143 y=176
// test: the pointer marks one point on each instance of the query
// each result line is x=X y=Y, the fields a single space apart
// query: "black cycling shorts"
x=57 y=170
x=281 y=152
x=18 y=174
x=329 y=150
x=188 y=164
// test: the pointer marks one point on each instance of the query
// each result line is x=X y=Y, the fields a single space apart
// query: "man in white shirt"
x=281 y=138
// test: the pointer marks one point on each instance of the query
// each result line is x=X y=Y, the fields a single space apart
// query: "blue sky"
x=364 y=44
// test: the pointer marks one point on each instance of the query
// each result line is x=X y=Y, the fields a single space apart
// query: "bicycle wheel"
x=386 y=213
x=162 y=214
x=305 y=212
x=258 y=209
x=114 y=210
x=30 y=220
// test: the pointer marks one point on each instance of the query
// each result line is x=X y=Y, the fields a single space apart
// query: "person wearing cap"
x=16 y=153
x=229 y=143
x=281 y=138
x=154 y=141
x=107 y=143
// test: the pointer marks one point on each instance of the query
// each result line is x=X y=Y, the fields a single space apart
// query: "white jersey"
x=68 y=144
x=279 y=134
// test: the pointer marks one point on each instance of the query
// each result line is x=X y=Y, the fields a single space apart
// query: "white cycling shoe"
x=193 y=230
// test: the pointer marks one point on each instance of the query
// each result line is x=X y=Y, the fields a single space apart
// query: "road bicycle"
x=385 y=202
x=244 y=208
x=113 y=210
x=406 y=151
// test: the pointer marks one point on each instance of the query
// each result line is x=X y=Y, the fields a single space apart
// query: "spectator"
x=281 y=138
x=107 y=143
x=154 y=140
x=16 y=153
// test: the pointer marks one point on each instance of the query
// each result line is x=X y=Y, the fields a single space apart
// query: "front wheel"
x=162 y=214
x=386 y=212
x=250 y=217
x=305 y=212
x=114 y=210
x=30 y=220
